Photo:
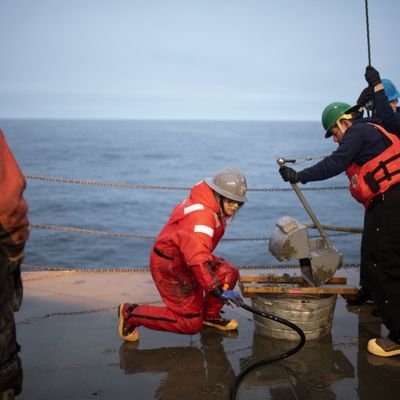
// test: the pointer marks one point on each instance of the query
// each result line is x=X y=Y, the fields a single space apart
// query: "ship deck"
x=67 y=328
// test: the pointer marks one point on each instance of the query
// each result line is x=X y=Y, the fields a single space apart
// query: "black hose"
x=271 y=359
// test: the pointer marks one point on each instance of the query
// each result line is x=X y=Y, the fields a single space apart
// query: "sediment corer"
x=319 y=260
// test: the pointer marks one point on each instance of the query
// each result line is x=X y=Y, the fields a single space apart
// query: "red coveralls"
x=14 y=232
x=183 y=267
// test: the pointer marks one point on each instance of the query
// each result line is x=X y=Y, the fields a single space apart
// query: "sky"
x=190 y=59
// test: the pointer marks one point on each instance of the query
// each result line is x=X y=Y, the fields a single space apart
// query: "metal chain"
x=91 y=232
x=151 y=237
x=80 y=269
x=28 y=321
x=95 y=183
x=159 y=187
x=32 y=267
x=148 y=237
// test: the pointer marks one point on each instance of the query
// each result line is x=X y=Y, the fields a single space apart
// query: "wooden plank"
x=250 y=291
x=252 y=285
x=288 y=279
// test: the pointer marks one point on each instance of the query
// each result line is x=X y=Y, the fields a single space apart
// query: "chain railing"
x=28 y=267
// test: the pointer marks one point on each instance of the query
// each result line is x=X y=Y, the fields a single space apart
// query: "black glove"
x=365 y=97
x=289 y=174
x=372 y=76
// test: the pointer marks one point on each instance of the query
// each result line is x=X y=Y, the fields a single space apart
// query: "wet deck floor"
x=71 y=350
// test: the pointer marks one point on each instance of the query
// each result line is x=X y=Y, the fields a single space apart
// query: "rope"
x=368 y=40
x=159 y=187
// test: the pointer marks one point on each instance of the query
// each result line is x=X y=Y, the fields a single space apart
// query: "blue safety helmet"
x=390 y=90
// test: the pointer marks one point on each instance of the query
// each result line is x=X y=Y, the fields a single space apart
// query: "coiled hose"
x=271 y=359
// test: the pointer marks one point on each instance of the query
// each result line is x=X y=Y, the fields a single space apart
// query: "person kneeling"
x=194 y=284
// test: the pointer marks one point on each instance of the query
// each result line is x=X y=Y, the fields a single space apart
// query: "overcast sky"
x=190 y=59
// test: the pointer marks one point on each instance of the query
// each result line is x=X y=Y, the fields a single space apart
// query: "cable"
x=368 y=42
x=271 y=359
x=367 y=23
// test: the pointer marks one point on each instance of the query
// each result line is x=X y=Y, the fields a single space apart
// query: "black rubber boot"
x=363 y=296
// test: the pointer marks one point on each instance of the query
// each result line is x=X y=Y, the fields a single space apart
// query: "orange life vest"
x=377 y=175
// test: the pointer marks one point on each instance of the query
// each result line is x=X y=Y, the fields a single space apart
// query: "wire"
x=271 y=359
x=367 y=23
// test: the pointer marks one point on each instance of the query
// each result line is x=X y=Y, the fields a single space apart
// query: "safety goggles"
x=239 y=203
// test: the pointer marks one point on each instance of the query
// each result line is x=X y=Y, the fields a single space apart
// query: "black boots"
x=362 y=297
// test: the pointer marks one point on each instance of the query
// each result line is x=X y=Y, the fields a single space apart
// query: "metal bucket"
x=312 y=313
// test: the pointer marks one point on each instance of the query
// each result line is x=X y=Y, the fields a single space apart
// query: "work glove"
x=365 y=97
x=289 y=174
x=231 y=297
x=372 y=76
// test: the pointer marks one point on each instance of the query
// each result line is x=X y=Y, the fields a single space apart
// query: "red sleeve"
x=195 y=241
x=14 y=224
x=205 y=276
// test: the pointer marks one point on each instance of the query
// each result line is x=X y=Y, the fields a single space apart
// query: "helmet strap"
x=220 y=200
x=342 y=127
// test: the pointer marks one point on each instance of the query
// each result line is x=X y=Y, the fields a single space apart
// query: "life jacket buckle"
x=371 y=182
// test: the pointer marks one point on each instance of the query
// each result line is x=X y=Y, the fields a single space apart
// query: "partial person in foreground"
x=193 y=283
x=371 y=158
x=14 y=232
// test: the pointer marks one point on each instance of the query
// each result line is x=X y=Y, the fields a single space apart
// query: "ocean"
x=150 y=165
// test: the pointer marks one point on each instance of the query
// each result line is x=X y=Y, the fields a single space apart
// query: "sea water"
x=172 y=154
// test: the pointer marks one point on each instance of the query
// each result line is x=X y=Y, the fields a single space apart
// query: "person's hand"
x=365 y=97
x=372 y=76
x=232 y=297
x=289 y=174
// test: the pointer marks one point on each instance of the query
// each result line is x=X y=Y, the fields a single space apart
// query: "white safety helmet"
x=230 y=183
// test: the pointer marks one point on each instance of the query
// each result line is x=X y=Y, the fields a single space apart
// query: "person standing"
x=14 y=232
x=194 y=284
x=381 y=96
x=370 y=155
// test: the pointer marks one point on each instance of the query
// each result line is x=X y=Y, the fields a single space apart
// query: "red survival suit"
x=14 y=231
x=183 y=267
x=14 y=224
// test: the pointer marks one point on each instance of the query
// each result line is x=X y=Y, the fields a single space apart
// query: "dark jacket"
x=360 y=143
x=390 y=119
